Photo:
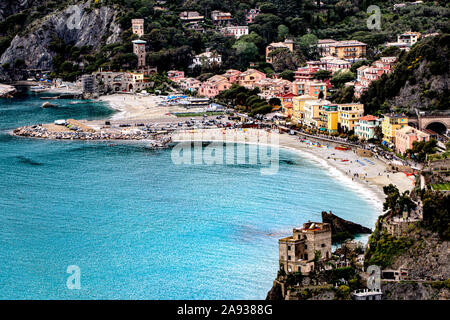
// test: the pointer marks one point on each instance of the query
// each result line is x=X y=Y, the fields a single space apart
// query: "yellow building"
x=349 y=114
x=329 y=115
x=298 y=107
x=312 y=109
x=349 y=49
x=390 y=124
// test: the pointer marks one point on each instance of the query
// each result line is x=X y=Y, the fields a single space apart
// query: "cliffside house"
x=221 y=18
x=234 y=31
x=289 y=44
x=297 y=253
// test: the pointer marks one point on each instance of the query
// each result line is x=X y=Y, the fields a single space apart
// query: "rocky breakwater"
x=6 y=91
x=40 y=131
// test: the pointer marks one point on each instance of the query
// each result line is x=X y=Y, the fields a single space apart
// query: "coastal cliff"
x=339 y=225
x=91 y=28
x=6 y=91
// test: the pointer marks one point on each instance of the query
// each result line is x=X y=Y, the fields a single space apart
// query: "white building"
x=235 y=31
x=206 y=59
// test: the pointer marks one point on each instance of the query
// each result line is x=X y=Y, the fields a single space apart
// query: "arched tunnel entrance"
x=437 y=127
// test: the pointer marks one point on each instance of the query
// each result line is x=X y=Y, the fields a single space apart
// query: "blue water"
x=140 y=227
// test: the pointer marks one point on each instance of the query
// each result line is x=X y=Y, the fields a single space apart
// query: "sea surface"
x=140 y=227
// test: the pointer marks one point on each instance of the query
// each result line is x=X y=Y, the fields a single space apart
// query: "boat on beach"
x=38 y=88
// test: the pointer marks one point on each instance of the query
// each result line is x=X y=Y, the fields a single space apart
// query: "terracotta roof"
x=369 y=118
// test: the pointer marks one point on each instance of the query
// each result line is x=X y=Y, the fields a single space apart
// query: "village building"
x=221 y=18
x=304 y=74
x=138 y=27
x=298 y=253
x=206 y=60
x=252 y=14
x=286 y=103
x=189 y=84
x=298 y=107
x=323 y=46
x=189 y=17
x=316 y=89
x=213 y=86
x=139 y=51
x=390 y=124
x=289 y=44
x=349 y=114
x=270 y=88
x=175 y=75
x=119 y=81
x=232 y=75
x=334 y=64
x=365 y=129
x=311 y=109
x=351 y=50
x=406 y=136
x=249 y=77
x=234 y=31
x=329 y=116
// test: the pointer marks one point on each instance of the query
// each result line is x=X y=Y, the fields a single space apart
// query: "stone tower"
x=138 y=26
x=139 y=50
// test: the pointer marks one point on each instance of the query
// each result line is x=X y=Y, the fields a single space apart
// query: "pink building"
x=252 y=14
x=189 y=84
x=405 y=137
x=175 y=75
x=232 y=75
x=213 y=86
x=305 y=73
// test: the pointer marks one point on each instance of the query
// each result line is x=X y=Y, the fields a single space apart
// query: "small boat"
x=37 y=88
x=342 y=148
x=48 y=105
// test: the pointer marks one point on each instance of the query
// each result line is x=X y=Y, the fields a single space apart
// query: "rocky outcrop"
x=276 y=293
x=10 y=7
x=6 y=91
x=413 y=291
x=339 y=225
x=78 y=25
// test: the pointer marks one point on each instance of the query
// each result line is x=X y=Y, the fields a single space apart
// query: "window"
x=289 y=247
x=289 y=257
x=323 y=245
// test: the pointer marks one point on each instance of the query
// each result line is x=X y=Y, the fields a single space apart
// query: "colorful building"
x=286 y=103
x=213 y=86
x=312 y=116
x=175 y=75
x=406 y=136
x=328 y=115
x=221 y=18
x=249 y=77
x=365 y=129
x=289 y=44
x=298 y=107
x=312 y=88
x=390 y=124
x=348 y=50
x=252 y=14
x=349 y=114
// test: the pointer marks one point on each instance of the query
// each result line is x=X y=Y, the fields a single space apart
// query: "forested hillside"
x=420 y=80
x=171 y=45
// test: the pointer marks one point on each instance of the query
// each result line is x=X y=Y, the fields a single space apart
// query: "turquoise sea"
x=140 y=227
